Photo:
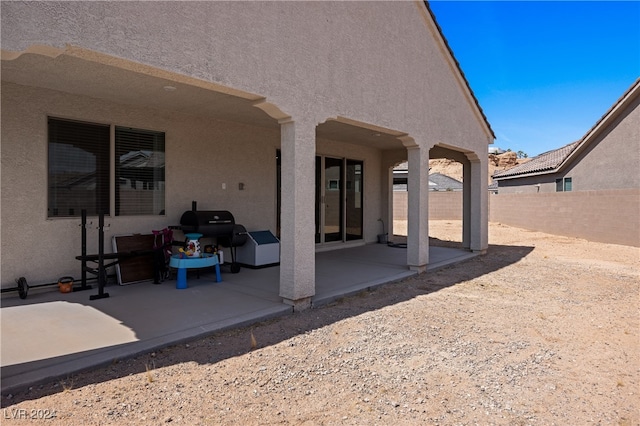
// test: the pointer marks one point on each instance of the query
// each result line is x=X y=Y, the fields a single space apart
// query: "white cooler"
x=262 y=248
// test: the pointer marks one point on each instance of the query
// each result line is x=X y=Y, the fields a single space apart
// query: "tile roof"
x=546 y=161
x=551 y=160
x=443 y=182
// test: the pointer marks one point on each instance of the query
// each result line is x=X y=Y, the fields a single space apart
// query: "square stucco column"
x=418 y=209
x=479 y=199
x=467 y=185
x=386 y=188
x=297 y=245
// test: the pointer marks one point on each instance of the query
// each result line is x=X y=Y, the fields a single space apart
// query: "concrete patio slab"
x=51 y=335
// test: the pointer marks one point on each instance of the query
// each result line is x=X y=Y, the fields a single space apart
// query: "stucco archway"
x=474 y=194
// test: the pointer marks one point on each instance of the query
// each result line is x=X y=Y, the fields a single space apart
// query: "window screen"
x=139 y=172
x=78 y=168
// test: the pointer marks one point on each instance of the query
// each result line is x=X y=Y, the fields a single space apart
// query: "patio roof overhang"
x=88 y=73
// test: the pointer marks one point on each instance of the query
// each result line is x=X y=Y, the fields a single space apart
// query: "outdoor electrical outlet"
x=224 y=186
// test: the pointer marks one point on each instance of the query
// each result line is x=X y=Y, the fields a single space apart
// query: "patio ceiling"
x=147 y=87
x=115 y=84
x=359 y=135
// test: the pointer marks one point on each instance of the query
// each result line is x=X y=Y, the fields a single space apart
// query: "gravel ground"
x=541 y=330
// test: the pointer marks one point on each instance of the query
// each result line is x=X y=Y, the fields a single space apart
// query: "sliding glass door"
x=333 y=226
x=339 y=185
x=353 y=204
x=339 y=199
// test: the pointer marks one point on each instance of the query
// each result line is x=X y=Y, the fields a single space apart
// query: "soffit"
x=348 y=133
x=110 y=83
x=71 y=74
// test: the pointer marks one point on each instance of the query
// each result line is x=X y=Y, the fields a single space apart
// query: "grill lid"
x=206 y=217
x=208 y=222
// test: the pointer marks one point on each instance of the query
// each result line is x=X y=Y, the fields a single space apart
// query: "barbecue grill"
x=218 y=224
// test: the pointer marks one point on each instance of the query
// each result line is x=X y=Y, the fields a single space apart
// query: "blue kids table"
x=183 y=263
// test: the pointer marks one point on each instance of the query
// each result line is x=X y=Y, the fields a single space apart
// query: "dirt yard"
x=541 y=330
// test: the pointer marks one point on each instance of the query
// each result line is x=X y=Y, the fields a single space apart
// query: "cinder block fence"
x=611 y=216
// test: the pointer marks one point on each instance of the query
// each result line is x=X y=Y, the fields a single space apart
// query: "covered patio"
x=60 y=334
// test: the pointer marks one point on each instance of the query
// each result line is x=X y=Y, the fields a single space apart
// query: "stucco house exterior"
x=264 y=109
x=607 y=156
x=589 y=188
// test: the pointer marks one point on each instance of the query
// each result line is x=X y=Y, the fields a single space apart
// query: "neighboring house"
x=544 y=165
x=290 y=115
x=440 y=182
x=589 y=188
x=607 y=157
x=437 y=181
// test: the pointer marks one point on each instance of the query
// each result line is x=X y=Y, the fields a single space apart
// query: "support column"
x=386 y=201
x=389 y=160
x=418 y=209
x=388 y=176
x=467 y=185
x=479 y=233
x=297 y=245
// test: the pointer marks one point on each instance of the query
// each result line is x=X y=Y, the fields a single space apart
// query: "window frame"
x=564 y=184
x=102 y=184
x=67 y=139
x=150 y=150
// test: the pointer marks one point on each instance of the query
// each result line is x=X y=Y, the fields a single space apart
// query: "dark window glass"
x=567 y=184
x=559 y=187
x=139 y=172
x=78 y=168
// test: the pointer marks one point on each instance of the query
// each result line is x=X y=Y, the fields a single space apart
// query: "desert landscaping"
x=541 y=330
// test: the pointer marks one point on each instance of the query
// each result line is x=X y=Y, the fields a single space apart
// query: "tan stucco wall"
x=369 y=61
x=373 y=62
x=55 y=243
x=612 y=160
x=225 y=152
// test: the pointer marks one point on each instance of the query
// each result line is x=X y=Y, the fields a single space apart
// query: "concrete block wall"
x=607 y=216
x=442 y=205
x=400 y=205
x=445 y=205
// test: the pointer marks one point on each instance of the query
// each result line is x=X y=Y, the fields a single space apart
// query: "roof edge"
x=612 y=113
x=459 y=68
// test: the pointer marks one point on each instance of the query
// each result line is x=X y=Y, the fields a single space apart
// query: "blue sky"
x=544 y=72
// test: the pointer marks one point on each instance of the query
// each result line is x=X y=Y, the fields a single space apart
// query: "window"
x=563 y=185
x=567 y=184
x=139 y=172
x=79 y=164
x=78 y=168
